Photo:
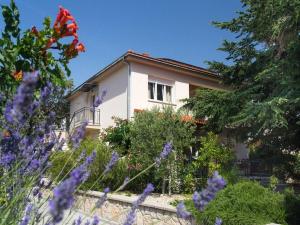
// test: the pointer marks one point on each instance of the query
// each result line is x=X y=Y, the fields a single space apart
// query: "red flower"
x=35 y=31
x=71 y=50
x=18 y=75
x=61 y=26
x=64 y=26
x=80 y=47
x=63 y=17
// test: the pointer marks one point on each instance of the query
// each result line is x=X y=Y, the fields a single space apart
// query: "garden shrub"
x=213 y=155
x=292 y=207
x=150 y=130
x=244 y=203
x=118 y=136
x=113 y=180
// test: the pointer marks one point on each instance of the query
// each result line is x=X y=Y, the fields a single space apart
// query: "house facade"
x=136 y=82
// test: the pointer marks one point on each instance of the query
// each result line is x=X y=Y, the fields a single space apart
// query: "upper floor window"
x=159 y=92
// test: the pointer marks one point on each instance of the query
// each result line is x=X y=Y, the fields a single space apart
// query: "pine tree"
x=262 y=73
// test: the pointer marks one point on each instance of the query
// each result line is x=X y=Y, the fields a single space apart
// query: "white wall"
x=139 y=85
x=78 y=102
x=115 y=101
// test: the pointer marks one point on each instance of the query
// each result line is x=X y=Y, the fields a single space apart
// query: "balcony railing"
x=92 y=116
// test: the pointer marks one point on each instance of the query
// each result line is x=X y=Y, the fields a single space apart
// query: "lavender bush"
x=24 y=156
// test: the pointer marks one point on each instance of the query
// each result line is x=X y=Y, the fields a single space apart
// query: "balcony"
x=92 y=116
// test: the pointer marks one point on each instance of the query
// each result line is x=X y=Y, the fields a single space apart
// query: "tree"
x=41 y=50
x=263 y=75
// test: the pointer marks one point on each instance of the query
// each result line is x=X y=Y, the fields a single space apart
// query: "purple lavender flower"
x=35 y=190
x=62 y=199
x=99 y=99
x=125 y=182
x=164 y=154
x=7 y=112
x=214 y=184
x=218 y=221
x=112 y=162
x=80 y=174
x=103 y=198
x=131 y=215
x=7 y=159
x=26 y=218
x=33 y=107
x=79 y=134
x=182 y=212
x=81 y=156
x=147 y=191
x=91 y=158
x=78 y=221
x=46 y=91
x=87 y=222
x=96 y=220
x=34 y=165
x=59 y=144
x=24 y=98
x=63 y=194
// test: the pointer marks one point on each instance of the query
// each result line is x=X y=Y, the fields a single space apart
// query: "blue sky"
x=174 y=29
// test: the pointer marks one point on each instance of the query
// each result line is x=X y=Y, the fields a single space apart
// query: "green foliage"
x=274 y=181
x=189 y=184
x=262 y=74
x=149 y=131
x=213 y=155
x=64 y=162
x=297 y=165
x=245 y=203
x=118 y=136
x=292 y=207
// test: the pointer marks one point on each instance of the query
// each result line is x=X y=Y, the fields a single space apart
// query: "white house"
x=135 y=82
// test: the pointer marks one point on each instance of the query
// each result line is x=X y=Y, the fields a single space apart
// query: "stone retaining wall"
x=117 y=206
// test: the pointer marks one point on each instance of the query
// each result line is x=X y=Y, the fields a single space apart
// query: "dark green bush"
x=244 y=203
x=113 y=180
x=292 y=207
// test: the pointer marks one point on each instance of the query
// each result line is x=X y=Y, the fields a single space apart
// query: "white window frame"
x=155 y=82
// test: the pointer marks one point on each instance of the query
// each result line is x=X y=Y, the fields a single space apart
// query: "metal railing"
x=92 y=116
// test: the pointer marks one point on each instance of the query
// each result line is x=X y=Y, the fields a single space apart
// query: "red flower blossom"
x=65 y=26
x=80 y=47
x=35 y=31
x=61 y=26
x=18 y=75
x=71 y=51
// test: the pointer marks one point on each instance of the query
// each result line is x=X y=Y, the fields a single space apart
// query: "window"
x=151 y=90
x=159 y=92
x=168 y=93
